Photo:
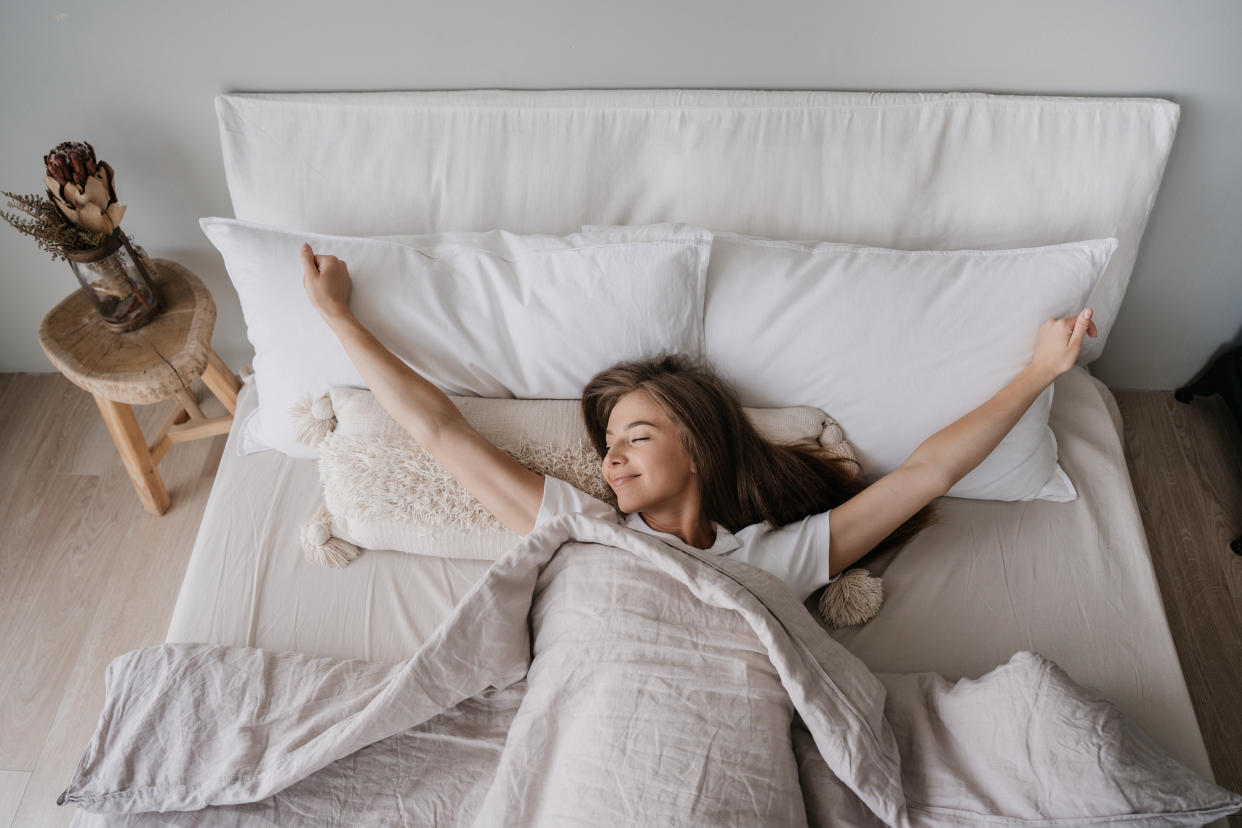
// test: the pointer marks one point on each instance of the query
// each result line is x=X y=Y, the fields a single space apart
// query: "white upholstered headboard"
x=904 y=170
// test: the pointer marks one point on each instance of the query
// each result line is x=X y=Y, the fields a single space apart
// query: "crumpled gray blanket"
x=598 y=677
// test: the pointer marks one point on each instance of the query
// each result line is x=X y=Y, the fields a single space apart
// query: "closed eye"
x=635 y=440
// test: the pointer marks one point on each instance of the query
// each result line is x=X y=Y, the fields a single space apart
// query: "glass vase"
x=120 y=282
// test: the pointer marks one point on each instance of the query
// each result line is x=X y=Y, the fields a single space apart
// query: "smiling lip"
x=619 y=480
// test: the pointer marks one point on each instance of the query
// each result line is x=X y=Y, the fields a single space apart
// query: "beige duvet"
x=599 y=677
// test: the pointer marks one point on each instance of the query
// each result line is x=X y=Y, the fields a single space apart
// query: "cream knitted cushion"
x=381 y=490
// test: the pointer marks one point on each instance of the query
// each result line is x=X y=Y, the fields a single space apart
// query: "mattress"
x=1072 y=581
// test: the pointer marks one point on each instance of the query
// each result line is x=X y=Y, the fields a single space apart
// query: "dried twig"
x=49 y=228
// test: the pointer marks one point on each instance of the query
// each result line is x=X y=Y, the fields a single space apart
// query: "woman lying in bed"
x=685 y=462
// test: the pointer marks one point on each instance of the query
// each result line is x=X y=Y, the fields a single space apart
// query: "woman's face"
x=645 y=463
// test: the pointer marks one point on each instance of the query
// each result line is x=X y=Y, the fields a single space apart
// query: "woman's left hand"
x=1059 y=342
x=327 y=283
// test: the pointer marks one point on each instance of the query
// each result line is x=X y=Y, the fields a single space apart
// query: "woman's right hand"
x=327 y=283
x=1058 y=343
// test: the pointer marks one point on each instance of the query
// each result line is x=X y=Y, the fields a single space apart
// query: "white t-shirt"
x=797 y=552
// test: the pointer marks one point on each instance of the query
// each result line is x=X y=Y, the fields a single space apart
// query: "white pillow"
x=898 y=344
x=490 y=314
x=381 y=490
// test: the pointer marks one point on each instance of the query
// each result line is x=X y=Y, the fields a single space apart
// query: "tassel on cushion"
x=832 y=438
x=852 y=599
x=319 y=545
x=313 y=420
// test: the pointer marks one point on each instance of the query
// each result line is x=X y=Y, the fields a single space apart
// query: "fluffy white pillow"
x=898 y=344
x=491 y=314
x=383 y=491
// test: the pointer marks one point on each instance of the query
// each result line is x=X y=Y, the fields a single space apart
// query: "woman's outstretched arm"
x=861 y=522
x=507 y=489
x=959 y=447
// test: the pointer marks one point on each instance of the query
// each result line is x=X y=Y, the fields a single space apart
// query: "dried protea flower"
x=82 y=188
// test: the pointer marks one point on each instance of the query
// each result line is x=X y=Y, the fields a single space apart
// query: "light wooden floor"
x=86 y=575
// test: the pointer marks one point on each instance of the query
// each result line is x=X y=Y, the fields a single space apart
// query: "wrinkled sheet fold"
x=597 y=676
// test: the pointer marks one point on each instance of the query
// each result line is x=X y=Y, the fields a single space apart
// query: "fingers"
x=316 y=263
x=1088 y=324
x=1082 y=323
x=312 y=265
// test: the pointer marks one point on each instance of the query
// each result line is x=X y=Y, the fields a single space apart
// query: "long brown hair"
x=744 y=478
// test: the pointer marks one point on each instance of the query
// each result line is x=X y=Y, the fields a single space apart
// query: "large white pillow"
x=898 y=344
x=490 y=314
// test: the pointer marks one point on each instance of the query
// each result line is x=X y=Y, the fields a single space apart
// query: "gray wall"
x=137 y=78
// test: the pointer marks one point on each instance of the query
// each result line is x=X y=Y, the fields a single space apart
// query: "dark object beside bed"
x=1223 y=376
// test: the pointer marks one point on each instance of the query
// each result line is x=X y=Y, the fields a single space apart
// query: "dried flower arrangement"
x=80 y=210
x=79 y=221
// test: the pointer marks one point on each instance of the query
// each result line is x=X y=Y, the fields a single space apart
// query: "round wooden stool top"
x=144 y=366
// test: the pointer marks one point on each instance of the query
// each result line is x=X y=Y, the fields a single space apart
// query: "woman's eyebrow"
x=631 y=425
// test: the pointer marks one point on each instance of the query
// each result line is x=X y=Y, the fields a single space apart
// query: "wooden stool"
x=157 y=362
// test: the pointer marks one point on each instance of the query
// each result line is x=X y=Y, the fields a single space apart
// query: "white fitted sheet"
x=1072 y=581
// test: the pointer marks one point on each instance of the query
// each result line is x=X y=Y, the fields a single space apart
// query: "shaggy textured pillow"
x=381 y=490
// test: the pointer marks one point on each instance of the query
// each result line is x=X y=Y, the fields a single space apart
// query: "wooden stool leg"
x=185 y=398
x=220 y=379
x=163 y=442
x=132 y=446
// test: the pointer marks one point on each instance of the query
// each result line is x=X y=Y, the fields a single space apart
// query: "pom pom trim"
x=321 y=547
x=852 y=599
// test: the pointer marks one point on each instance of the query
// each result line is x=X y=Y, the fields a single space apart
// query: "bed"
x=1072 y=581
